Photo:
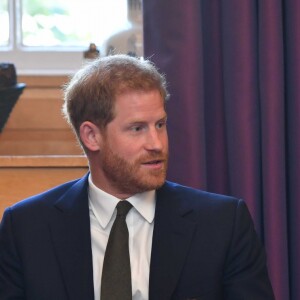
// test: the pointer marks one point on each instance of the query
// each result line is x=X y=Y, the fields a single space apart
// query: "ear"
x=90 y=136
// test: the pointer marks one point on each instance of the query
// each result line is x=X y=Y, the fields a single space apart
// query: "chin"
x=148 y=185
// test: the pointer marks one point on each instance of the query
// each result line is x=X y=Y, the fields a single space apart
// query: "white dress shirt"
x=140 y=222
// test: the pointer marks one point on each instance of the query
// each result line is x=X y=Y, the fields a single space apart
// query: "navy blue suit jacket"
x=204 y=247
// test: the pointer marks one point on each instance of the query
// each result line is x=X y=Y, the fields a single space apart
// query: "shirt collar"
x=103 y=204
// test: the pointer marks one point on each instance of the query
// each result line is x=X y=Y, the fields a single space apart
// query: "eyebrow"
x=137 y=121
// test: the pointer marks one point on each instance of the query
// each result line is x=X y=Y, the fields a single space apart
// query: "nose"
x=155 y=140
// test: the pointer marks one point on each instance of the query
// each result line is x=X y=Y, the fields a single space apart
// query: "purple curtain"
x=233 y=69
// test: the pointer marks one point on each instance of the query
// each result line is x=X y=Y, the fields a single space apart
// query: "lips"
x=153 y=162
x=156 y=164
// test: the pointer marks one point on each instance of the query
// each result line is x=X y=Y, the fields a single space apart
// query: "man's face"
x=134 y=151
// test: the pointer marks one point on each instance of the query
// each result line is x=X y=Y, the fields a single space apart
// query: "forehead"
x=139 y=102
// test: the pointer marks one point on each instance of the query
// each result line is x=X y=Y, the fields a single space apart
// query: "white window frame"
x=35 y=60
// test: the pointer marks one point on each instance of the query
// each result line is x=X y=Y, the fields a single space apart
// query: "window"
x=4 y=23
x=50 y=36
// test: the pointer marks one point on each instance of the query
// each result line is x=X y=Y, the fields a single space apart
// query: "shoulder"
x=195 y=196
x=214 y=211
x=205 y=204
x=31 y=217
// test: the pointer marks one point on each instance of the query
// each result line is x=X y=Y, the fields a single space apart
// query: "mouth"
x=154 y=164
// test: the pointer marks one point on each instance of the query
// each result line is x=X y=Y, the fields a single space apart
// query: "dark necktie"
x=116 y=273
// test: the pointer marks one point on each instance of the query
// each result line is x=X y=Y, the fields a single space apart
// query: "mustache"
x=158 y=156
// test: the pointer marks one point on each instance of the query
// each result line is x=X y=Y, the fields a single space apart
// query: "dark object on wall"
x=92 y=52
x=10 y=91
x=8 y=75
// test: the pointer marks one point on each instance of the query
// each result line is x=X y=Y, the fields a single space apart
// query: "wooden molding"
x=43 y=81
x=24 y=176
x=70 y=161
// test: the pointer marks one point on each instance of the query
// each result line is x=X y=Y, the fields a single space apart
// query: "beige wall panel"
x=39 y=142
x=36 y=125
x=43 y=81
x=21 y=177
x=38 y=109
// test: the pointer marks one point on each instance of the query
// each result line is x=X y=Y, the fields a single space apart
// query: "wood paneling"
x=36 y=125
x=23 y=176
x=56 y=81
x=38 y=150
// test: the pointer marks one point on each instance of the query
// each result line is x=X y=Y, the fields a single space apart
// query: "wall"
x=38 y=150
x=36 y=126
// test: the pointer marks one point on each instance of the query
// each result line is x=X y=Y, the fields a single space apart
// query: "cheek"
x=133 y=153
x=129 y=150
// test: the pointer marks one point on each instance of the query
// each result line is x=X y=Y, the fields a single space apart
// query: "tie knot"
x=123 y=207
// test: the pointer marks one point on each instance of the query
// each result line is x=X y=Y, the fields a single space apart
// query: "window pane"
x=64 y=23
x=4 y=23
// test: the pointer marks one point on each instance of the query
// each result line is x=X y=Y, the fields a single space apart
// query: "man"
x=182 y=243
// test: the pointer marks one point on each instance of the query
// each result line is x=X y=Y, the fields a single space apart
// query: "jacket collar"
x=70 y=232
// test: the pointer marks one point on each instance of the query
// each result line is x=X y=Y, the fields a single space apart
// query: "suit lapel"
x=70 y=232
x=173 y=231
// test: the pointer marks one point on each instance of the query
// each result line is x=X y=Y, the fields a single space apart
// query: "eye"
x=136 y=128
x=161 y=124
